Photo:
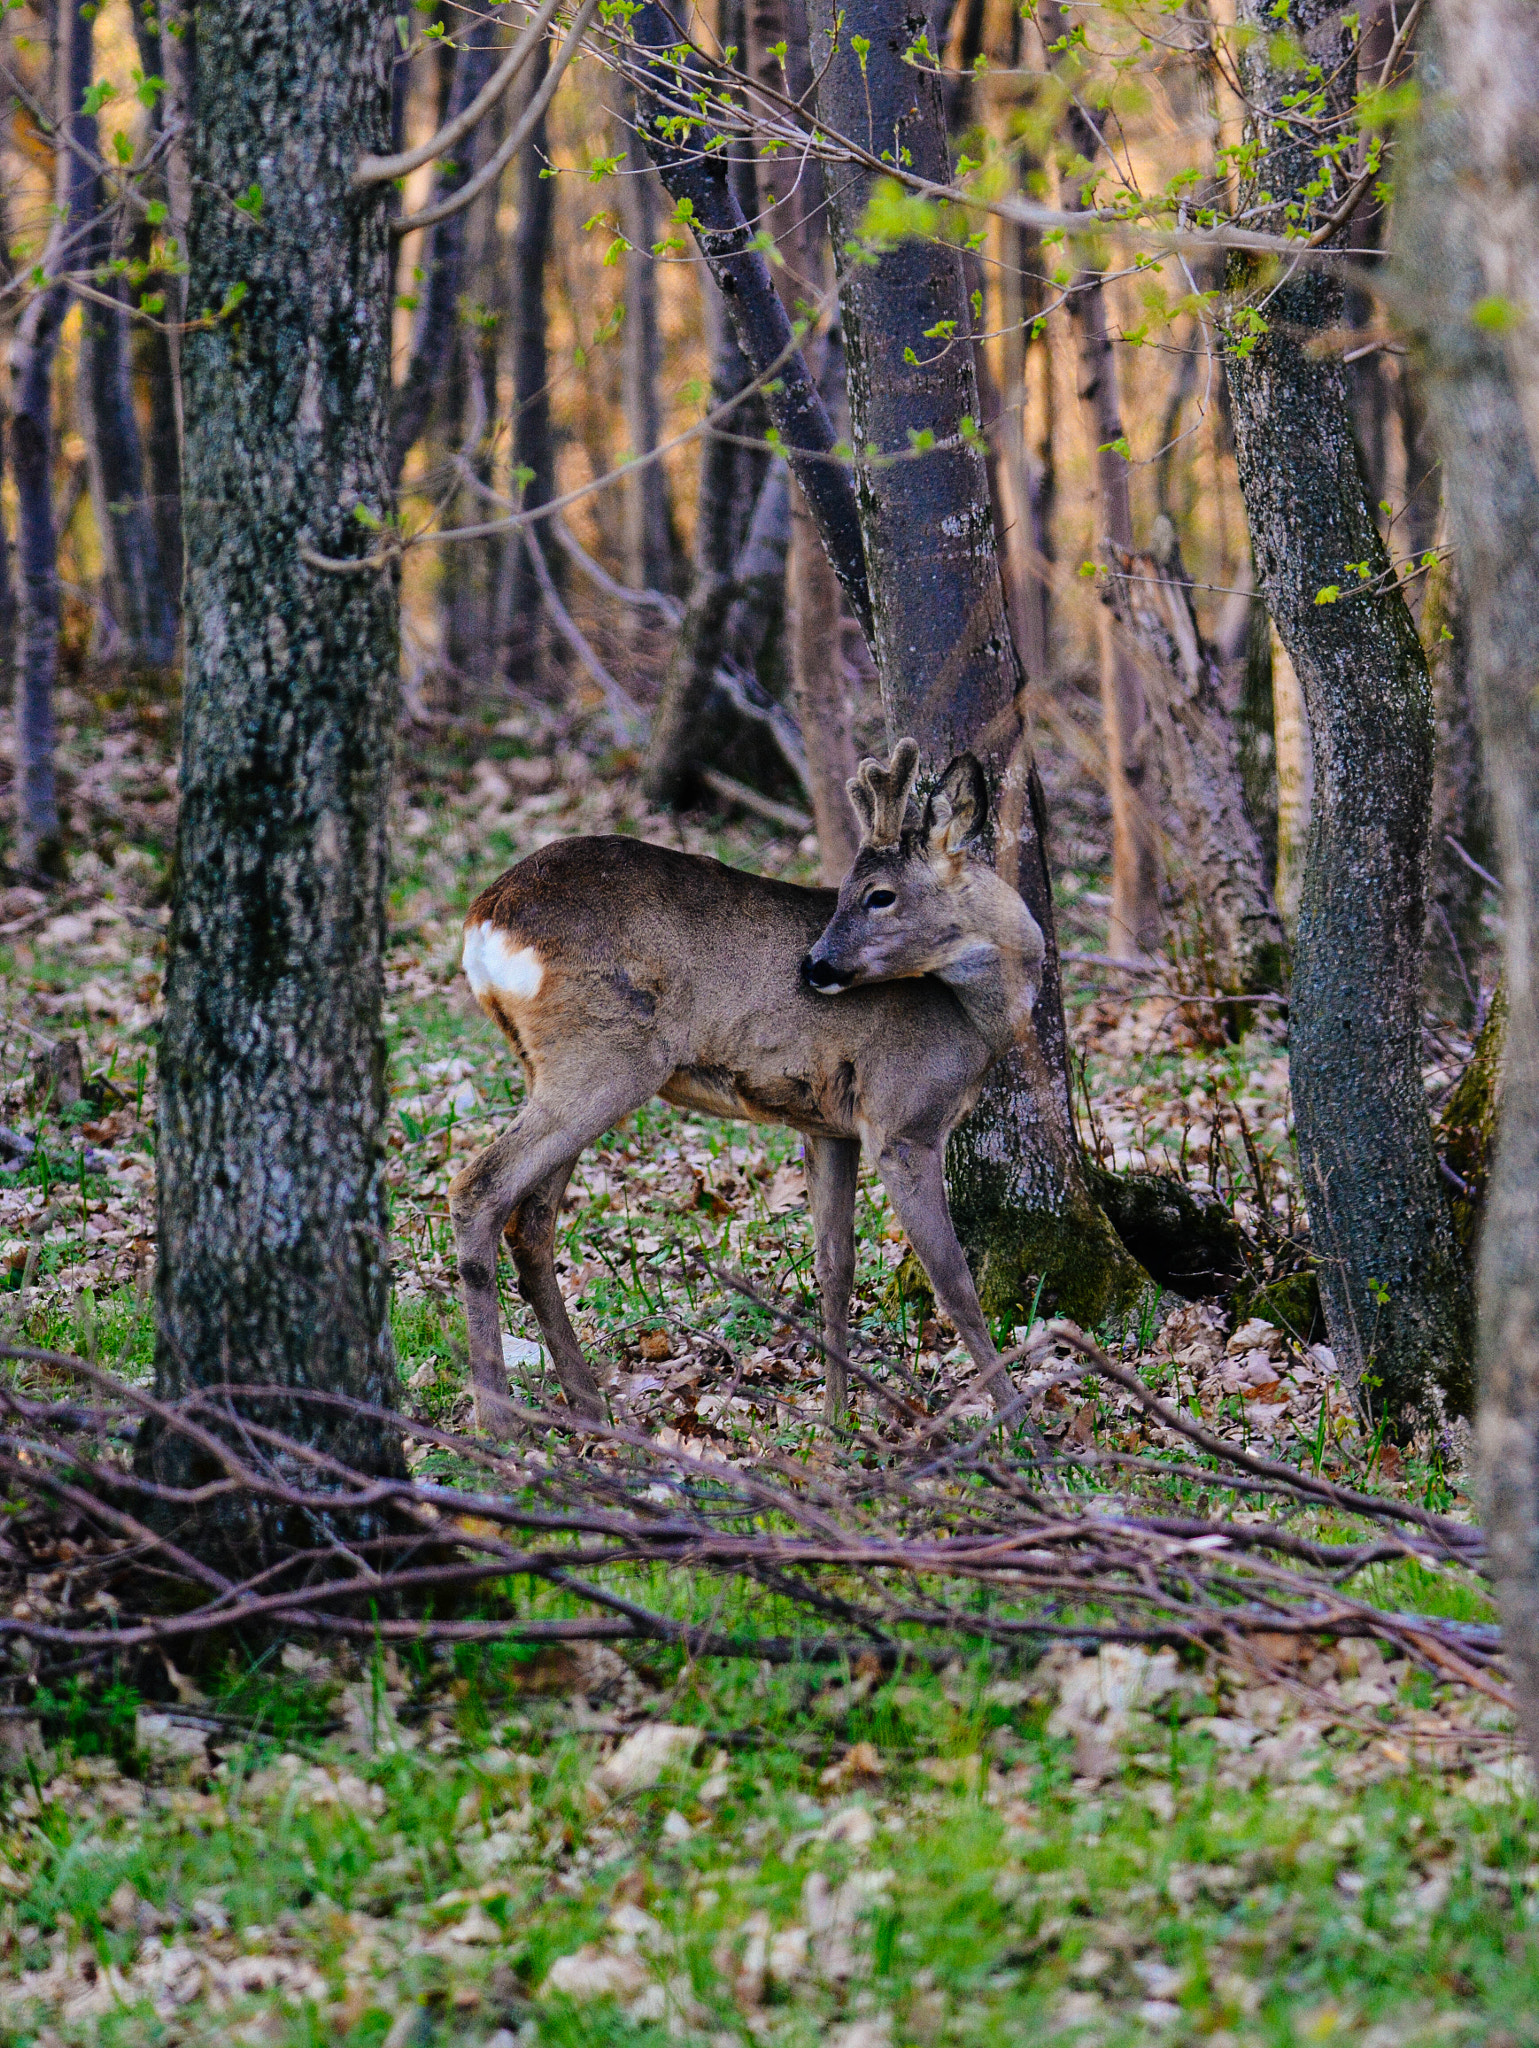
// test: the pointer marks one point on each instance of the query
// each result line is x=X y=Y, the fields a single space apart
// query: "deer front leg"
x=916 y=1186
x=833 y=1169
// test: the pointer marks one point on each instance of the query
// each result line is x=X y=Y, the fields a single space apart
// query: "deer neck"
x=995 y=970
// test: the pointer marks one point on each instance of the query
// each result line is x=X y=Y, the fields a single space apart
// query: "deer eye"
x=881 y=899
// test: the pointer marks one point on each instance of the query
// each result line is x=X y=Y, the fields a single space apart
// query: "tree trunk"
x=1242 y=935
x=39 y=836
x=442 y=262
x=1135 y=908
x=131 y=566
x=949 y=669
x=793 y=208
x=650 y=541
x=1491 y=487
x=1395 y=1296
x=274 y=1262
x=764 y=332
x=534 y=448
x=1295 y=780
x=1460 y=807
x=1255 y=725
x=155 y=347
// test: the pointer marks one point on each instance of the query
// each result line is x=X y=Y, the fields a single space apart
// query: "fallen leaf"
x=642 y=1758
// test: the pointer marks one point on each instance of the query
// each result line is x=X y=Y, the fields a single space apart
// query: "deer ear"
x=958 y=808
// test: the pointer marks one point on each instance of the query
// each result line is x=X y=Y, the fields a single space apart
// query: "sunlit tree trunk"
x=1394 y=1291
x=133 y=575
x=534 y=448
x=274 y=1263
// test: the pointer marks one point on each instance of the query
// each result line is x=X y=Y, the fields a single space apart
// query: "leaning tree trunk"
x=274 y=1262
x=949 y=669
x=1150 y=595
x=791 y=199
x=135 y=581
x=1395 y=1295
x=1491 y=487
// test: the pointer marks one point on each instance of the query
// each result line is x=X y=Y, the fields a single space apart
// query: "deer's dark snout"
x=823 y=975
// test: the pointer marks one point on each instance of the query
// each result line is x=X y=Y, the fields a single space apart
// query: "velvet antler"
x=882 y=795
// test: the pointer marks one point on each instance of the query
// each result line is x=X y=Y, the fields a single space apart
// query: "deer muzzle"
x=823 y=975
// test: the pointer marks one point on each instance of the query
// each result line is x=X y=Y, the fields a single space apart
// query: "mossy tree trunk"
x=274 y=1264
x=1394 y=1291
x=1491 y=485
x=950 y=672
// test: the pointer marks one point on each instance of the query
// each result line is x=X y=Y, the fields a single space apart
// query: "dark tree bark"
x=1395 y=1296
x=274 y=1264
x=442 y=262
x=39 y=837
x=534 y=448
x=132 y=570
x=949 y=669
x=1491 y=487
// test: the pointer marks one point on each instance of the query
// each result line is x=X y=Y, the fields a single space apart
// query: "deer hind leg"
x=833 y=1168
x=916 y=1186
x=530 y=1235
x=545 y=1136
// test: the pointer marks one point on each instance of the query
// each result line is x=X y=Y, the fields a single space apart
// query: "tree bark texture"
x=534 y=449
x=132 y=572
x=442 y=262
x=1295 y=780
x=39 y=835
x=1491 y=488
x=274 y=1262
x=1395 y=1296
x=949 y=669
x=1150 y=596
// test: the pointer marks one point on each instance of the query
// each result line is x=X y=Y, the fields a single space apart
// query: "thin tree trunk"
x=650 y=541
x=1461 y=823
x=949 y=669
x=1395 y=1295
x=155 y=346
x=1491 y=486
x=1135 y=908
x=534 y=448
x=442 y=261
x=132 y=570
x=39 y=837
x=1151 y=597
x=10 y=679
x=274 y=1262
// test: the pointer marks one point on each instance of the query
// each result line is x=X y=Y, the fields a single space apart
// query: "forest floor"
x=493 y=1845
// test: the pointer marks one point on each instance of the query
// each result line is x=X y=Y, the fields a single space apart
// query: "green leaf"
x=98 y=97
x=250 y=203
x=1117 y=447
x=1494 y=315
x=234 y=295
x=1329 y=594
x=157 y=213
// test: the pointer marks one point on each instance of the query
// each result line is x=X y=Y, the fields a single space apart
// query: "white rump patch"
x=493 y=966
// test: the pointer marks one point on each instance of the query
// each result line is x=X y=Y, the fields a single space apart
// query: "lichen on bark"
x=1396 y=1297
x=274 y=1262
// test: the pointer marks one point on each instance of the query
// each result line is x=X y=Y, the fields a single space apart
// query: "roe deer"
x=620 y=971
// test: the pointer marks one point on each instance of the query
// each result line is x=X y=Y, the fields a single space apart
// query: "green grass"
x=1267 y=1916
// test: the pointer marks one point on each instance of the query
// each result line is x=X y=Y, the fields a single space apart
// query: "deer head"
x=915 y=901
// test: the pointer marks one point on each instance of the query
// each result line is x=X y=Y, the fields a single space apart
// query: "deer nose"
x=822 y=975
